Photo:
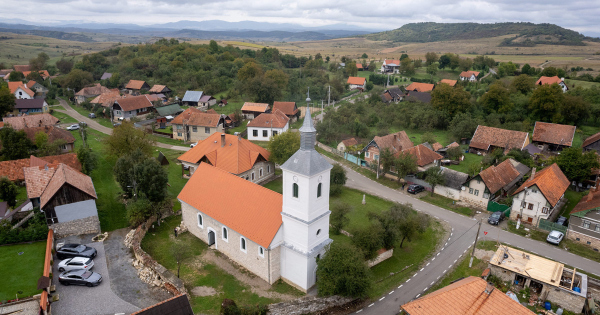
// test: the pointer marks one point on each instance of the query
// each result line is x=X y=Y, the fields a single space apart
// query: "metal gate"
x=550 y=226
x=495 y=207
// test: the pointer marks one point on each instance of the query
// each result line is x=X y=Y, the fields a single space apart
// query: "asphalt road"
x=458 y=244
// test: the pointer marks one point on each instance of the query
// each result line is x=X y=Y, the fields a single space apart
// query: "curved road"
x=461 y=238
x=96 y=126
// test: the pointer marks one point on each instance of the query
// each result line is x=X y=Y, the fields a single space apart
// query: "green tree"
x=15 y=144
x=249 y=71
x=39 y=63
x=549 y=72
x=387 y=159
x=8 y=191
x=213 y=47
x=405 y=164
x=473 y=168
x=403 y=56
x=523 y=83
x=463 y=125
x=497 y=99
x=152 y=180
x=343 y=271
x=364 y=56
x=279 y=78
x=406 y=67
x=64 y=65
x=338 y=175
x=454 y=153
x=138 y=211
x=507 y=68
x=546 y=101
x=391 y=221
x=351 y=68
x=412 y=226
x=124 y=171
x=15 y=76
x=339 y=216
x=418 y=63
x=126 y=138
x=575 y=164
x=527 y=69
x=368 y=239
x=574 y=110
x=77 y=79
x=452 y=100
x=88 y=159
x=46 y=148
x=283 y=146
x=7 y=101
x=428 y=137
x=465 y=64
x=327 y=59
x=454 y=61
x=434 y=177
x=430 y=58
x=432 y=70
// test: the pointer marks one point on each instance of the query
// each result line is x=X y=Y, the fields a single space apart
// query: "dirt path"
x=257 y=285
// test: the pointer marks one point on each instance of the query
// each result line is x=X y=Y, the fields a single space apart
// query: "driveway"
x=97 y=300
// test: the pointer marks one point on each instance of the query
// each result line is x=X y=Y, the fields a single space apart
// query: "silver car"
x=76 y=263
x=555 y=237
x=73 y=127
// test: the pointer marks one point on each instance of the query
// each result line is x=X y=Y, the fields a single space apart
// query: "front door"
x=211 y=238
x=530 y=220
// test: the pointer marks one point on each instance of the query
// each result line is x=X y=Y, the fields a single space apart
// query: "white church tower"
x=305 y=210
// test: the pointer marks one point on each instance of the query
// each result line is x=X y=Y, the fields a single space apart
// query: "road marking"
x=382 y=298
x=407 y=280
x=390 y=293
x=455 y=261
x=446 y=244
x=473 y=243
x=418 y=295
x=438 y=254
x=400 y=286
x=421 y=269
x=465 y=251
x=435 y=217
x=371 y=304
x=359 y=311
x=438 y=277
x=444 y=272
x=427 y=264
x=449 y=266
x=450 y=234
x=432 y=259
x=415 y=275
x=442 y=249
x=432 y=282
x=425 y=289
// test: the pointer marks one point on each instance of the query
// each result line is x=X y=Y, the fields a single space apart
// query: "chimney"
x=489 y=288
x=222 y=140
x=532 y=173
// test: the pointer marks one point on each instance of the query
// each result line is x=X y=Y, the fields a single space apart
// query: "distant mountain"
x=526 y=34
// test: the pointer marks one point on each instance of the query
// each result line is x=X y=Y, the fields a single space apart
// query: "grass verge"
x=20 y=273
x=447 y=204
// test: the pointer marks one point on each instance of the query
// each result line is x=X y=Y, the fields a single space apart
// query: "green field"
x=470 y=158
x=20 y=273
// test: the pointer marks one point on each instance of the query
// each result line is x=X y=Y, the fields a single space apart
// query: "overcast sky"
x=579 y=15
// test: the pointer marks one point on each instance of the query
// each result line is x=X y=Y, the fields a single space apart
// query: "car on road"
x=555 y=237
x=92 y=115
x=496 y=217
x=562 y=220
x=193 y=145
x=415 y=189
x=76 y=263
x=73 y=127
x=75 y=250
x=80 y=277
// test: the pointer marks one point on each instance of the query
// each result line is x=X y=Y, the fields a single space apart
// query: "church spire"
x=308 y=133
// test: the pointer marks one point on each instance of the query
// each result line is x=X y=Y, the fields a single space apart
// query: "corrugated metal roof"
x=192 y=96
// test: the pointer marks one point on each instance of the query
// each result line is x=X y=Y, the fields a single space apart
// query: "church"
x=275 y=236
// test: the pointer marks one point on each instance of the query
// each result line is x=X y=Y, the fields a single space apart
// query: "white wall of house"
x=341 y=147
x=474 y=193
x=117 y=113
x=447 y=192
x=262 y=171
x=472 y=78
x=531 y=205
x=21 y=95
x=563 y=86
x=265 y=134
x=357 y=86
x=197 y=133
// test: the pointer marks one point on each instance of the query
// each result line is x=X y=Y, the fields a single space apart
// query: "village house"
x=20 y=90
x=552 y=137
x=553 y=80
x=424 y=156
x=196 y=125
x=133 y=106
x=392 y=95
x=89 y=92
x=54 y=134
x=540 y=195
x=169 y=111
x=160 y=89
x=288 y=108
x=39 y=90
x=444 y=150
x=38 y=120
x=191 y=98
x=546 y=279
x=584 y=222
x=43 y=73
x=592 y=143
x=390 y=66
x=268 y=125
x=106 y=76
x=207 y=101
x=395 y=142
x=13 y=169
x=493 y=182
x=453 y=183
x=107 y=99
x=347 y=143
x=253 y=110
x=232 y=154
x=470 y=76
x=134 y=87
x=357 y=83
x=30 y=106
x=420 y=87
x=274 y=236
x=21 y=68
x=487 y=139
x=413 y=96
x=448 y=81
x=471 y=295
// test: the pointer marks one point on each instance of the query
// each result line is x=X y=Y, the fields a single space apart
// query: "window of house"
x=261 y=251
x=255 y=133
x=367 y=154
x=260 y=173
x=318 y=232
x=486 y=195
x=530 y=207
x=224 y=234
x=200 y=221
x=252 y=175
x=179 y=134
x=376 y=156
x=319 y=190
x=195 y=129
x=63 y=146
x=243 y=244
x=471 y=191
x=274 y=133
x=586 y=224
x=268 y=169
x=545 y=210
x=476 y=192
x=206 y=130
x=265 y=133
x=597 y=228
x=295 y=190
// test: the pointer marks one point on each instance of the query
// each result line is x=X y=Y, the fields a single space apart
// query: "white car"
x=193 y=145
x=76 y=263
x=73 y=127
x=555 y=237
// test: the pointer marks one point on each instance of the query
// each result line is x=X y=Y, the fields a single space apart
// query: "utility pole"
x=378 y=159
x=322 y=113
x=329 y=96
x=474 y=245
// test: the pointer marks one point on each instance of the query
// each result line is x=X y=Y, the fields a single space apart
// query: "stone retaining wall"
x=167 y=279
x=89 y=225
x=308 y=305
x=381 y=257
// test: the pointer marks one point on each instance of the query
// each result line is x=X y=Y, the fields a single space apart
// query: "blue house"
x=31 y=106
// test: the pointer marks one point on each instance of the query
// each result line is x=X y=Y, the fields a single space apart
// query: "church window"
x=252 y=175
x=318 y=231
x=319 y=190
x=261 y=251
x=295 y=190
x=260 y=173
x=200 y=221
x=224 y=233
x=268 y=169
x=243 y=244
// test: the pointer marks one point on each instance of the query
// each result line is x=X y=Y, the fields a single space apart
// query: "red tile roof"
x=420 y=87
x=276 y=119
x=548 y=80
x=14 y=169
x=54 y=133
x=396 y=141
x=43 y=73
x=195 y=117
x=93 y=90
x=589 y=202
x=485 y=137
x=452 y=145
x=249 y=209
x=466 y=297
x=236 y=156
x=255 y=107
x=498 y=177
x=13 y=86
x=36 y=120
x=350 y=142
x=436 y=146
x=467 y=74
x=448 y=81
x=553 y=133
x=590 y=140
x=134 y=102
x=21 y=68
x=135 y=84
x=157 y=88
x=423 y=155
x=288 y=108
x=392 y=61
x=44 y=183
x=356 y=80
x=107 y=99
x=551 y=181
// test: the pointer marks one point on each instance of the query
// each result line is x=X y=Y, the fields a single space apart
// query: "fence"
x=354 y=159
x=551 y=226
x=495 y=207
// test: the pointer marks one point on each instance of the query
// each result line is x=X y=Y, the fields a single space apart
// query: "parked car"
x=76 y=263
x=82 y=123
x=73 y=127
x=80 y=277
x=496 y=217
x=415 y=189
x=92 y=115
x=562 y=220
x=75 y=250
x=555 y=237
x=193 y=145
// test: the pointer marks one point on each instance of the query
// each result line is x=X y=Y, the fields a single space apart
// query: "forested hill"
x=526 y=34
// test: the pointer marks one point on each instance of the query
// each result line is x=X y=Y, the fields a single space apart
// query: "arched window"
x=224 y=233
x=268 y=169
x=260 y=173
x=200 y=221
x=252 y=175
x=295 y=190
x=261 y=251
x=319 y=190
x=243 y=244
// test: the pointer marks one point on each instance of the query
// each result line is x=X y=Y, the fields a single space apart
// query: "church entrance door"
x=211 y=238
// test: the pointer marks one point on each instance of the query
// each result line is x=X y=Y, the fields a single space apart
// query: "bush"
x=139 y=211
x=339 y=219
x=368 y=239
x=343 y=271
x=33 y=230
x=335 y=190
x=338 y=175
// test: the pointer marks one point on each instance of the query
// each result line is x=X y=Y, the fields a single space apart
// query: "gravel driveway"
x=98 y=300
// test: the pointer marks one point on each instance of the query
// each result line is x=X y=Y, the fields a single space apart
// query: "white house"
x=470 y=76
x=273 y=236
x=357 y=83
x=551 y=80
x=263 y=127
x=20 y=90
x=538 y=197
x=390 y=66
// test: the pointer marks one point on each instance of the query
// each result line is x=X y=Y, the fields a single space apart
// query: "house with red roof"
x=394 y=142
x=39 y=90
x=160 y=89
x=448 y=81
x=420 y=87
x=390 y=66
x=552 y=137
x=195 y=125
x=470 y=76
x=90 y=92
x=592 y=143
x=357 y=83
x=20 y=90
x=136 y=86
x=265 y=126
x=125 y=108
x=288 y=108
x=553 y=80
x=424 y=156
x=274 y=236
x=487 y=139
x=253 y=110
x=584 y=221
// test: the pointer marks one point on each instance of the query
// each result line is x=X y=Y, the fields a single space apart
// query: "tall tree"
x=15 y=144
x=575 y=164
x=368 y=239
x=88 y=159
x=64 y=65
x=545 y=102
x=126 y=138
x=405 y=164
x=7 y=101
x=387 y=159
x=39 y=63
x=8 y=191
x=452 y=100
x=523 y=83
x=283 y=146
x=431 y=58
x=434 y=177
x=497 y=99
x=77 y=79
x=339 y=216
x=413 y=226
x=152 y=180
x=343 y=271
x=391 y=221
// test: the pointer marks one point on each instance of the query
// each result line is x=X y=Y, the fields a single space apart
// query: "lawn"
x=176 y=181
x=584 y=84
x=574 y=198
x=158 y=243
x=166 y=140
x=461 y=270
x=470 y=158
x=168 y=130
x=239 y=128
x=20 y=273
x=230 y=108
x=365 y=74
x=441 y=136
x=447 y=203
x=533 y=233
x=101 y=120
x=582 y=133
x=263 y=144
x=64 y=118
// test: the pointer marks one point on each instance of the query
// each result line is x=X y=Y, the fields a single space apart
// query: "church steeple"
x=308 y=133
